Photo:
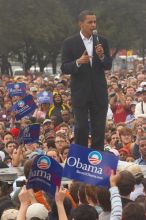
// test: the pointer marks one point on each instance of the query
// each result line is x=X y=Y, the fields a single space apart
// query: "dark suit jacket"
x=86 y=79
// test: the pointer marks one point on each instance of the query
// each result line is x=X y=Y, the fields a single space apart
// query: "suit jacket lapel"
x=80 y=43
x=81 y=46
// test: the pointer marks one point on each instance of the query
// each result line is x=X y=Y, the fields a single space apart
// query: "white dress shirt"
x=138 y=109
x=88 y=45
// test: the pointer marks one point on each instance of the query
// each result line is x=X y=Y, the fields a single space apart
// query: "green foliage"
x=122 y=21
x=34 y=29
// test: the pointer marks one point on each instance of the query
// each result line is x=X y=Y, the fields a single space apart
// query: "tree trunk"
x=54 y=65
x=42 y=62
x=5 y=65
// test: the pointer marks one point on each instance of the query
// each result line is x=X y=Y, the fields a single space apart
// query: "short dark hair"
x=133 y=211
x=85 y=212
x=7 y=132
x=84 y=13
x=126 y=183
x=104 y=199
x=143 y=138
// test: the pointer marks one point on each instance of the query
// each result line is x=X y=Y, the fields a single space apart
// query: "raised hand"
x=114 y=179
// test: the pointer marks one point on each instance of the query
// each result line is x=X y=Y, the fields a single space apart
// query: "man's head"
x=7 y=137
x=142 y=147
x=114 y=138
x=65 y=115
x=10 y=146
x=85 y=212
x=133 y=211
x=125 y=135
x=130 y=91
x=126 y=183
x=87 y=22
x=60 y=141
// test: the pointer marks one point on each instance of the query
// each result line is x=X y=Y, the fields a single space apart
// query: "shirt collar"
x=140 y=160
x=85 y=38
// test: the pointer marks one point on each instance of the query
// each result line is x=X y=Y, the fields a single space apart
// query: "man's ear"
x=80 y=24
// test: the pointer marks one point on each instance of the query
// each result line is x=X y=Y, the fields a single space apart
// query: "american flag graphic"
x=43 y=164
x=93 y=159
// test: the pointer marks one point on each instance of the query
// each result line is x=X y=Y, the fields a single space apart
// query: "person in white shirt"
x=141 y=106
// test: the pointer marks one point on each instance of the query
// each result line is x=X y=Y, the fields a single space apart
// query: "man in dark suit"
x=86 y=60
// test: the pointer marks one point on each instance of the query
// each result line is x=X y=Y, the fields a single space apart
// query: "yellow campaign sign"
x=129 y=53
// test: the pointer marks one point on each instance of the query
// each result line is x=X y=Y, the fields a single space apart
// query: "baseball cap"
x=37 y=210
x=139 y=90
x=9 y=214
x=133 y=103
x=124 y=150
x=46 y=121
x=134 y=169
x=143 y=84
x=33 y=89
x=46 y=79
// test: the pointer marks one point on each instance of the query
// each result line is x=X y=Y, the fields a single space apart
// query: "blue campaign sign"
x=16 y=89
x=30 y=134
x=24 y=107
x=89 y=165
x=45 y=174
x=45 y=97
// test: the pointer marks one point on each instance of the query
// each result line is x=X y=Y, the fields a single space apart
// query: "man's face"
x=65 y=116
x=88 y=25
x=59 y=143
x=53 y=154
x=130 y=91
x=10 y=148
x=142 y=148
x=126 y=138
x=7 y=138
x=114 y=138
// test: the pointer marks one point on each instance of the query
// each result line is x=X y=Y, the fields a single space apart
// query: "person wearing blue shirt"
x=142 y=150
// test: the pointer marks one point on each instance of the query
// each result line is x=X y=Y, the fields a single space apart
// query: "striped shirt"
x=116 y=204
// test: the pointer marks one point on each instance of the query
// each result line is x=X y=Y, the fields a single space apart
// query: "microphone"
x=95 y=37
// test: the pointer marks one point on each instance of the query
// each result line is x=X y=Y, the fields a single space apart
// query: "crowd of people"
x=125 y=137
